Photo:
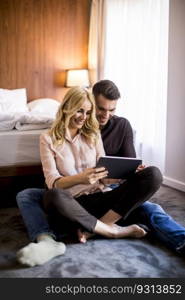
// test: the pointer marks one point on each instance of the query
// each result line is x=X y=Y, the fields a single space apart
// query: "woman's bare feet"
x=133 y=231
x=83 y=236
x=115 y=231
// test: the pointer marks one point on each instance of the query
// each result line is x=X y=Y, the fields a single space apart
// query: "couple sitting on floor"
x=77 y=196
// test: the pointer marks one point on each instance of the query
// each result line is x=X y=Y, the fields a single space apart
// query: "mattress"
x=19 y=148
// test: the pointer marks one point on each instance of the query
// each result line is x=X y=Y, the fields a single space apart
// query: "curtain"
x=96 y=40
x=136 y=59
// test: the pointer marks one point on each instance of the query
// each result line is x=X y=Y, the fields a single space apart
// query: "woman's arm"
x=47 y=156
x=88 y=176
x=54 y=178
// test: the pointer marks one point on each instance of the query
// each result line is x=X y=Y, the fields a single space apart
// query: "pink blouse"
x=70 y=158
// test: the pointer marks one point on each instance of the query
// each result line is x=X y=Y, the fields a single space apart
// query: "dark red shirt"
x=117 y=136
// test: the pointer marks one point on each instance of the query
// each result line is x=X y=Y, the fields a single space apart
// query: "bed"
x=20 y=165
x=19 y=148
x=21 y=124
x=19 y=153
x=20 y=128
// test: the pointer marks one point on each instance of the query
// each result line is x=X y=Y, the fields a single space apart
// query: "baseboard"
x=176 y=184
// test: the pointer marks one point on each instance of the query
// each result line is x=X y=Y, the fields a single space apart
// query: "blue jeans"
x=30 y=205
x=161 y=225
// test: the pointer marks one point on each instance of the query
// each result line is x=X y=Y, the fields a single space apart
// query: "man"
x=117 y=138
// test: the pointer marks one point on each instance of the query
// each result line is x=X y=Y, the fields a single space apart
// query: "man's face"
x=105 y=109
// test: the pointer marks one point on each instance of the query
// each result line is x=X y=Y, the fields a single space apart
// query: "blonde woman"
x=76 y=190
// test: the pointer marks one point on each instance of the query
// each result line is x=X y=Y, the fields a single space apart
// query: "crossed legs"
x=29 y=202
x=98 y=213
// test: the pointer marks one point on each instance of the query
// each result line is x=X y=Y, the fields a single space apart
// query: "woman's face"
x=77 y=121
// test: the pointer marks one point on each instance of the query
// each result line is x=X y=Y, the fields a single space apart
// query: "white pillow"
x=44 y=106
x=13 y=101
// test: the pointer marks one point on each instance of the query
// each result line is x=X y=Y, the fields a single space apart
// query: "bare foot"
x=134 y=231
x=116 y=232
x=83 y=236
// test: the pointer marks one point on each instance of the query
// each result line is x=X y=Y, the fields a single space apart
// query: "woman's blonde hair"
x=72 y=102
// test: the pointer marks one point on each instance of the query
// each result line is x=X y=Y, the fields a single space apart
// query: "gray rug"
x=105 y=258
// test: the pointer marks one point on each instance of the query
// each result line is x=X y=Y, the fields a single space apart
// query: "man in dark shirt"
x=116 y=132
x=122 y=145
x=117 y=136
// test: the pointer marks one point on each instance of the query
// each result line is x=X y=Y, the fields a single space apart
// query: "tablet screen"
x=119 y=167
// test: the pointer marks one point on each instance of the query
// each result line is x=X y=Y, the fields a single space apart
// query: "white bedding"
x=15 y=112
x=19 y=147
x=7 y=121
x=32 y=120
x=25 y=121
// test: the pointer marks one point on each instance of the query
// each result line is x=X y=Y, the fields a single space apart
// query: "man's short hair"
x=106 y=88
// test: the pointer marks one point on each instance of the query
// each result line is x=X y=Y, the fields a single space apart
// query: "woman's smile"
x=78 y=119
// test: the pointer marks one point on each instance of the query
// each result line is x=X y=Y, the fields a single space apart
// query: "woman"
x=77 y=191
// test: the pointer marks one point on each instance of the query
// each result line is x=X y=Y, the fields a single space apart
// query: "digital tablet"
x=119 y=167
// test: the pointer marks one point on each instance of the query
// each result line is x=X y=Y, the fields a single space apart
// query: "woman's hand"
x=92 y=175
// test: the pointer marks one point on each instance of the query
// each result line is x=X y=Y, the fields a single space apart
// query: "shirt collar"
x=69 y=138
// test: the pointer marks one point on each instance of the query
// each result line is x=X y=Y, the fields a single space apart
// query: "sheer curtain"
x=136 y=59
x=96 y=40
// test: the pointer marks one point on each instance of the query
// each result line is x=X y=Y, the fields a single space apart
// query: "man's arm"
x=127 y=148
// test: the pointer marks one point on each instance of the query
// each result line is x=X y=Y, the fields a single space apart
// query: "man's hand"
x=92 y=175
x=140 y=168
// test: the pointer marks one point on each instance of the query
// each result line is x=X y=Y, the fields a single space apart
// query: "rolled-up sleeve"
x=47 y=156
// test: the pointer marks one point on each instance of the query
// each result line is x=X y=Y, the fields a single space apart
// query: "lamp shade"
x=77 y=78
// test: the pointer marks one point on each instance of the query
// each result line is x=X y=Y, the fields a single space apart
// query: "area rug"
x=99 y=257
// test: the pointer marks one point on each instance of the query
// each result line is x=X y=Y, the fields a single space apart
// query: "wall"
x=39 y=39
x=175 y=140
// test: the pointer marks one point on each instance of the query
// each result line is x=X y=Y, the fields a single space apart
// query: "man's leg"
x=161 y=225
x=29 y=202
x=125 y=198
x=136 y=190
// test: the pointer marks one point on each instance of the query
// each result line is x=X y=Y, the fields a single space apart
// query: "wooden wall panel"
x=39 y=40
